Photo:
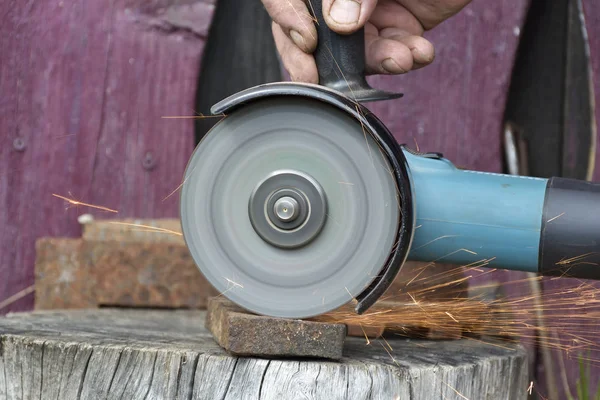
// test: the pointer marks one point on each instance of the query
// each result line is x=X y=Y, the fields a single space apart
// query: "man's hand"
x=393 y=32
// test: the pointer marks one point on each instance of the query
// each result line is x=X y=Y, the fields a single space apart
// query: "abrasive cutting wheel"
x=289 y=208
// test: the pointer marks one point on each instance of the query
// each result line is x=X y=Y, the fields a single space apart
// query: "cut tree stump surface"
x=137 y=354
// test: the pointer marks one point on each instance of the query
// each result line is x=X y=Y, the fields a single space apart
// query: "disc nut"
x=286 y=208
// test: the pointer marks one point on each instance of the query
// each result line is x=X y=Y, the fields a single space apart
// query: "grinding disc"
x=289 y=208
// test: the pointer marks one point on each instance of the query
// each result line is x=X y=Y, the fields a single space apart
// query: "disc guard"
x=289 y=208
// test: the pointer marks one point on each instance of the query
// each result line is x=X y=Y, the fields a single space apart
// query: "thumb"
x=347 y=16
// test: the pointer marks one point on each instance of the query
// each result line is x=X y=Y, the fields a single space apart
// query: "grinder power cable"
x=300 y=200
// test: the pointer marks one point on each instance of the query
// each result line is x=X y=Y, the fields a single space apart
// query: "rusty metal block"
x=245 y=334
x=60 y=280
x=74 y=273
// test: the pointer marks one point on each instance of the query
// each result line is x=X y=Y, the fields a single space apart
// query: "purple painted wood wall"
x=84 y=84
x=456 y=104
x=83 y=87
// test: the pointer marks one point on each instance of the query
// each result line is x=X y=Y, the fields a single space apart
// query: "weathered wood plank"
x=84 y=86
x=75 y=273
x=155 y=354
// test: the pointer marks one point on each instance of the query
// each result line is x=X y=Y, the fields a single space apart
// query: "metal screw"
x=286 y=208
x=149 y=162
x=19 y=144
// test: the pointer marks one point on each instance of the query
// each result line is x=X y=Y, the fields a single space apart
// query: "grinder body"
x=426 y=208
x=456 y=216
x=548 y=226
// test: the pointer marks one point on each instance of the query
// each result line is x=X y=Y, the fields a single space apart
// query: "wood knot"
x=19 y=144
x=149 y=161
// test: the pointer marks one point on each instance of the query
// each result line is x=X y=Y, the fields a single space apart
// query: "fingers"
x=394 y=44
x=347 y=16
x=433 y=12
x=294 y=21
x=391 y=14
x=392 y=51
x=421 y=49
x=300 y=65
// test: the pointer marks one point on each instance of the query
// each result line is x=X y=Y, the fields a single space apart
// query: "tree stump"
x=169 y=354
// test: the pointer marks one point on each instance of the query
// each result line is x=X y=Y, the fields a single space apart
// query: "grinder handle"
x=340 y=60
x=570 y=232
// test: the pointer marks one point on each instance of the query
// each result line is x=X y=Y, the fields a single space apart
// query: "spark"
x=16 y=297
x=573 y=259
x=199 y=116
x=470 y=251
x=450 y=315
x=80 y=203
x=390 y=354
x=500 y=321
x=388 y=344
x=231 y=287
x=333 y=219
x=299 y=18
x=553 y=218
x=530 y=388
x=148 y=228
x=417 y=275
x=413 y=298
x=366 y=336
x=182 y=183
x=416 y=144
x=234 y=283
x=435 y=240
x=174 y=191
x=352 y=297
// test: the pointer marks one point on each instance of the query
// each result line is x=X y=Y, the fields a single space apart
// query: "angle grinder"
x=300 y=200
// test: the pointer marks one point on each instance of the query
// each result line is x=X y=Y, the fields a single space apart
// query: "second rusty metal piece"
x=242 y=333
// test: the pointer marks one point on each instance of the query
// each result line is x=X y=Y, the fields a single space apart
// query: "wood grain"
x=591 y=16
x=83 y=89
x=75 y=273
x=158 y=354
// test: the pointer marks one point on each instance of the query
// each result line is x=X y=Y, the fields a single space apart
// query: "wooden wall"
x=456 y=105
x=83 y=89
x=84 y=86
